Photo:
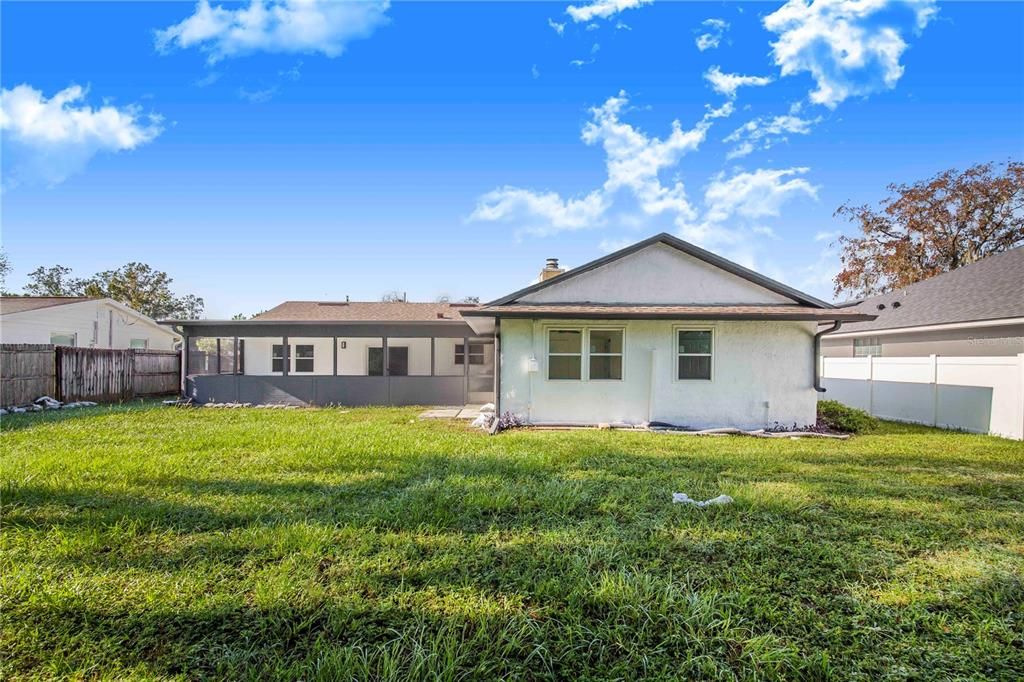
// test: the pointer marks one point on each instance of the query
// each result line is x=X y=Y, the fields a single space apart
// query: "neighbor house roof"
x=687 y=248
x=990 y=289
x=20 y=304
x=675 y=312
x=357 y=311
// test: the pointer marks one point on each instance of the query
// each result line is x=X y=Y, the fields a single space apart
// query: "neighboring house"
x=659 y=331
x=976 y=310
x=81 y=322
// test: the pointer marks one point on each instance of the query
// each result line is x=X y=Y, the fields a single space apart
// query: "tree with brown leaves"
x=932 y=226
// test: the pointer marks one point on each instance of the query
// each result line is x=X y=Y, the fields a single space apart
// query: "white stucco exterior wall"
x=95 y=324
x=762 y=372
x=656 y=274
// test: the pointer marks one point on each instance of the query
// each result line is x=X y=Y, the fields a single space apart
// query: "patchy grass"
x=152 y=542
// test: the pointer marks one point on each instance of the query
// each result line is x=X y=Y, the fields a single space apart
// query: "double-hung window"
x=605 y=353
x=694 y=353
x=277 y=357
x=565 y=354
x=600 y=351
x=304 y=359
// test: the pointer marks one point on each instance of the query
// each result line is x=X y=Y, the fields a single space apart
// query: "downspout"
x=497 y=366
x=817 y=349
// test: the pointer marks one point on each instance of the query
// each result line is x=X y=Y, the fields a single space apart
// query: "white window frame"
x=877 y=344
x=676 y=354
x=584 y=353
x=293 y=353
x=144 y=346
x=548 y=354
x=280 y=357
x=621 y=355
x=73 y=335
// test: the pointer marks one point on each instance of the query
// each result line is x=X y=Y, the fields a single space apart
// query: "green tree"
x=54 y=281
x=145 y=289
x=5 y=269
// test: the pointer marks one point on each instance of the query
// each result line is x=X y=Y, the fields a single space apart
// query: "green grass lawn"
x=153 y=542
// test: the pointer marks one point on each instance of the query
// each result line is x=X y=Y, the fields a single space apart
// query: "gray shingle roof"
x=991 y=289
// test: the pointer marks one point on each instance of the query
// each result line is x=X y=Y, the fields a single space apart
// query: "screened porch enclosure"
x=369 y=367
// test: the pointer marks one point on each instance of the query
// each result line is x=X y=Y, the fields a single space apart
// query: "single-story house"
x=658 y=331
x=976 y=310
x=81 y=322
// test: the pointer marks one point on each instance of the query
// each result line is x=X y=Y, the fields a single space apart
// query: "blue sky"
x=450 y=148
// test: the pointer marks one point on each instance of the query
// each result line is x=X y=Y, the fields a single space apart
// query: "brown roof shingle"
x=678 y=312
x=19 y=304
x=359 y=311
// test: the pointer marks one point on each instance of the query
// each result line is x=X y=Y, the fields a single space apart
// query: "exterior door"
x=398 y=361
x=480 y=359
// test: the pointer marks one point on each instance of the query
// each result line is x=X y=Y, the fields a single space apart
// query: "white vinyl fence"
x=980 y=394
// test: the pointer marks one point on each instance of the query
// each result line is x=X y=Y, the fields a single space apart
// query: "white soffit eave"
x=980 y=324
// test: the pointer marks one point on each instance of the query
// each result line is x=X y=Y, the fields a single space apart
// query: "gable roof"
x=989 y=289
x=687 y=248
x=360 y=311
x=20 y=304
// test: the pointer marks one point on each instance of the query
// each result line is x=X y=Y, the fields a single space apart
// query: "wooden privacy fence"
x=29 y=371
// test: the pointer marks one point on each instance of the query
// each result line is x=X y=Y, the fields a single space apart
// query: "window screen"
x=565 y=354
x=605 y=354
x=304 y=358
x=694 y=354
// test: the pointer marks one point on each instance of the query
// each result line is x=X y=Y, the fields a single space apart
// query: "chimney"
x=550 y=270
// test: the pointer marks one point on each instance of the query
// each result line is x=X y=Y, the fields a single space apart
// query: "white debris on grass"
x=483 y=420
x=683 y=498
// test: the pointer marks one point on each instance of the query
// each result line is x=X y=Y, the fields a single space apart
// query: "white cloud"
x=850 y=47
x=46 y=140
x=612 y=245
x=716 y=28
x=826 y=236
x=540 y=212
x=558 y=28
x=621 y=26
x=767 y=132
x=282 y=26
x=734 y=206
x=728 y=83
x=634 y=162
x=602 y=9
x=535 y=72
x=755 y=195
x=207 y=80
x=257 y=96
